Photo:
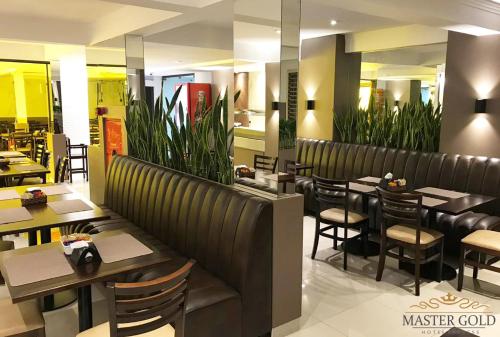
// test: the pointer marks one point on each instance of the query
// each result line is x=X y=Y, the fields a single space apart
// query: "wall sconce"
x=275 y=105
x=480 y=106
x=396 y=103
x=310 y=104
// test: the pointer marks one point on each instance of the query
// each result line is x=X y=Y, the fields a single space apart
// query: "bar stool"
x=81 y=154
x=21 y=320
x=482 y=243
x=146 y=308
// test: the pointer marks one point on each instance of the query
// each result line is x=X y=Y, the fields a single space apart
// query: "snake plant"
x=201 y=147
x=416 y=126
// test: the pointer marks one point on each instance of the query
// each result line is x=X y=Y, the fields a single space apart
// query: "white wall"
x=257 y=91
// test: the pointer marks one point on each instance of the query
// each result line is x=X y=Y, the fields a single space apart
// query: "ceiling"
x=191 y=33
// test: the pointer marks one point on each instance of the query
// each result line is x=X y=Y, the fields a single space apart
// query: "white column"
x=74 y=93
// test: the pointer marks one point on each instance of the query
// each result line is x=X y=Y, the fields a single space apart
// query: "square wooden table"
x=44 y=218
x=85 y=275
x=16 y=170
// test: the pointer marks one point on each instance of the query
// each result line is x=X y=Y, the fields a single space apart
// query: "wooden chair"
x=22 y=142
x=400 y=218
x=35 y=180
x=38 y=154
x=265 y=163
x=61 y=169
x=481 y=243
x=146 y=308
x=21 y=320
x=332 y=208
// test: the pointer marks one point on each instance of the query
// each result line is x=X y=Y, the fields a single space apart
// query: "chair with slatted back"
x=332 y=208
x=22 y=142
x=39 y=151
x=400 y=218
x=146 y=308
x=35 y=180
x=265 y=163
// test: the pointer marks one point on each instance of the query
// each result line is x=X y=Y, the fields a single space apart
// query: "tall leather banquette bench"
x=469 y=174
x=228 y=233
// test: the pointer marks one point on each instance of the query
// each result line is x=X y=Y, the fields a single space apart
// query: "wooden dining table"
x=83 y=276
x=21 y=167
x=435 y=200
x=44 y=218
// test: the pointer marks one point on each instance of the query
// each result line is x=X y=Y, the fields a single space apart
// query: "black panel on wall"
x=150 y=98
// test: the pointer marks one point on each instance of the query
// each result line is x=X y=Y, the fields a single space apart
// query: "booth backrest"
x=469 y=174
x=228 y=232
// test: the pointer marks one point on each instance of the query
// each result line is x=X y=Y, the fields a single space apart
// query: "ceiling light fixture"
x=278 y=31
x=333 y=22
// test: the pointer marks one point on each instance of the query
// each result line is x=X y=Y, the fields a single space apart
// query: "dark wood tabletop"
x=451 y=206
x=12 y=154
x=44 y=217
x=16 y=170
x=88 y=273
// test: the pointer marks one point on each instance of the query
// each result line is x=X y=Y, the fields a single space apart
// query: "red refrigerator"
x=191 y=95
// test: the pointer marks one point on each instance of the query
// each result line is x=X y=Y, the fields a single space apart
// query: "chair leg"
x=335 y=234
x=346 y=242
x=440 y=262
x=417 y=271
x=461 y=266
x=316 y=238
x=476 y=268
x=381 y=259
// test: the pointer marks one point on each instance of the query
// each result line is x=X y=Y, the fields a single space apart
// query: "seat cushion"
x=338 y=215
x=102 y=330
x=23 y=319
x=484 y=239
x=408 y=234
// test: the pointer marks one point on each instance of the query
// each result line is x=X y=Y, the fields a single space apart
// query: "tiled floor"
x=335 y=303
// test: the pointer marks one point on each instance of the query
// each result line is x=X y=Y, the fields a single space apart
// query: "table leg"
x=85 y=308
x=32 y=238
x=45 y=235
x=48 y=301
x=44 y=178
x=365 y=199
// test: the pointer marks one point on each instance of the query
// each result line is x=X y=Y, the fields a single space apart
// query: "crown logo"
x=449 y=300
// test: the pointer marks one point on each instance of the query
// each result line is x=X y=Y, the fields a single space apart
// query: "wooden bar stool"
x=483 y=243
x=146 y=308
x=21 y=320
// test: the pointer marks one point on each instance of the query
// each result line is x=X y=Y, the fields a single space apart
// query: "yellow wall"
x=23 y=91
x=35 y=88
x=316 y=81
x=7 y=97
x=111 y=94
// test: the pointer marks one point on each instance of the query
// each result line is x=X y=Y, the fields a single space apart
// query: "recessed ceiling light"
x=278 y=31
x=334 y=22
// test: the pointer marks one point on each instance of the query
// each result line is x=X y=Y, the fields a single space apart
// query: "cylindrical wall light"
x=310 y=104
x=275 y=105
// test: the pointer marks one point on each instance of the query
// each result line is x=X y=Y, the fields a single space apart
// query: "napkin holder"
x=84 y=255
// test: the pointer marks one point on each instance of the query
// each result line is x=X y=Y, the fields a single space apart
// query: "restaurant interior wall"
x=316 y=82
x=472 y=72
x=23 y=93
